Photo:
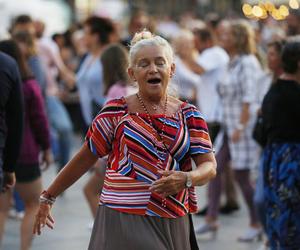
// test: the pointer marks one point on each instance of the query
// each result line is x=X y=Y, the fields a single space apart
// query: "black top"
x=281 y=112
x=11 y=112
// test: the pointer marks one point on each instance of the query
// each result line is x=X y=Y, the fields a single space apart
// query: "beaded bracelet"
x=46 y=198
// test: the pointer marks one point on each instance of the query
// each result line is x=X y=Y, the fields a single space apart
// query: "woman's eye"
x=160 y=63
x=143 y=65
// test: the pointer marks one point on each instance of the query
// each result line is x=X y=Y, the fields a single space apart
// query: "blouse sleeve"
x=200 y=142
x=100 y=134
x=249 y=75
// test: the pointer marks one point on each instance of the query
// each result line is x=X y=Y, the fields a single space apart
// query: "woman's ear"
x=131 y=74
x=172 y=69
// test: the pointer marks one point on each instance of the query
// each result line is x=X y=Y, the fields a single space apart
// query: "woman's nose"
x=153 y=68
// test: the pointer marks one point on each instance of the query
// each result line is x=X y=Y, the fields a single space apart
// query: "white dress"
x=238 y=86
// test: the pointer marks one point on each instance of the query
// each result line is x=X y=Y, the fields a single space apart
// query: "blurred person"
x=184 y=78
x=59 y=119
x=275 y=71
x=237 y=91
x=149 y=181
x=281 y=161
x=209 y=64
x=35 y=140
x=22 y=29
x=98 y=33
x=78 y=42
x=139 y=20
x=22 y=23
x=47 y=52
x=11 y=116
x=292 y=23
x=113 y=59
x=59 y=39
x=26 y=43
x=212 y=21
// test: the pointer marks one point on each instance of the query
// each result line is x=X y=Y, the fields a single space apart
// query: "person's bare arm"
x=194 y=66
x=244 y=118
x=74 y=169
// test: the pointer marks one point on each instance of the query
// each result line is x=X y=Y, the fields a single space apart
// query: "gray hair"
x=145 y=38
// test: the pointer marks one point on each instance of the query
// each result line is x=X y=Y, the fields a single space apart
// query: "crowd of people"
x=162 y=112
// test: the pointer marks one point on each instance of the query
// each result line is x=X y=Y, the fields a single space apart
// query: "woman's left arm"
x=244 y=118
x=173 y=182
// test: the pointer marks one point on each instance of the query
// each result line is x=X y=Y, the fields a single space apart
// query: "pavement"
x=72 y=219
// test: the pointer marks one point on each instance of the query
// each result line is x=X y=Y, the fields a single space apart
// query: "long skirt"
x=114 y=230
x=281 y=166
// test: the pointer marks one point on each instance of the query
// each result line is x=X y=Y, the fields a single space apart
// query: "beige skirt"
x=114 y=230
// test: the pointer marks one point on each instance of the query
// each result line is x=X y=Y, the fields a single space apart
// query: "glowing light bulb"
x=247 y=9
x=264 y=15
x=257 y=11
x=269 y=6
x=294 y=4
x=283 y=10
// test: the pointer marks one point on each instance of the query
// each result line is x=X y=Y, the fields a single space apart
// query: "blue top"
x=90 y=86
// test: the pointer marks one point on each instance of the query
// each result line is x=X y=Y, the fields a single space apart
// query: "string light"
x=267 y=8
x=294 y=4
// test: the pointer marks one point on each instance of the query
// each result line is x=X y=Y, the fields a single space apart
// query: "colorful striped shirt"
x=128 y=140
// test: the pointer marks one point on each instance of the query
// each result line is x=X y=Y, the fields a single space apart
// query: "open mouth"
x=154 y=81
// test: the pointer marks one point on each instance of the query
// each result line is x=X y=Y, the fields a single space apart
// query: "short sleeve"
x=200 y=142
x=100 y=135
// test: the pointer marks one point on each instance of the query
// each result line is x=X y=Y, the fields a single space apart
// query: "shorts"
x=27 y=172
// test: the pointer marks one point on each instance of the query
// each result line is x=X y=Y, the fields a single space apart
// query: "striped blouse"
x=128 y=140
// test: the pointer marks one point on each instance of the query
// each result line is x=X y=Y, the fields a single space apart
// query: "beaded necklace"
x=154 y=132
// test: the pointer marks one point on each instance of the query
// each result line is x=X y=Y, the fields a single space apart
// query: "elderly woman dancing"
x=151 y=139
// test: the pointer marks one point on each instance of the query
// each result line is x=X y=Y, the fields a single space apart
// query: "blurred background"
x=60 y=26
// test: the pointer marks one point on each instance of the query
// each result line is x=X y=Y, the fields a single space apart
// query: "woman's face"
x=227 y=40
x=274 y=60
x=152 y=70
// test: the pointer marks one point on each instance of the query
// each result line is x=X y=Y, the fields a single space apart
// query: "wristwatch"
x=188 y=182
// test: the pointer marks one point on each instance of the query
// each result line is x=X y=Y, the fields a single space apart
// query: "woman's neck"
x=96 y=51
x=232 y=53
x=278 y=72
x=153 y=99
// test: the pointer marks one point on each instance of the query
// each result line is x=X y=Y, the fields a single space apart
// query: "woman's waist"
x=144 y=202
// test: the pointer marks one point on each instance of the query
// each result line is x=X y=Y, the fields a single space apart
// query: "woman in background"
x=35 y=141
x=281 y=157
x=237 y=91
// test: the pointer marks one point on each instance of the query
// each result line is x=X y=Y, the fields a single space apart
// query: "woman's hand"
x=46 y=159
x=236 y=135
x=171 y=182
x=42 y=218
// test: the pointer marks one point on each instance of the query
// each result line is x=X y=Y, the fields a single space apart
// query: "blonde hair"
x=146 y=38
x=180 y=40
x=244 y=36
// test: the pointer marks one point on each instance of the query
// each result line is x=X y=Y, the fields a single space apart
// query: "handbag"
x=259 y=132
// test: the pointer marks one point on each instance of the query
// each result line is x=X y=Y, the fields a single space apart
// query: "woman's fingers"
x=43 y=218
x=50 y=218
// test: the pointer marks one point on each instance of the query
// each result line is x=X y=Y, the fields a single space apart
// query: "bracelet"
x=46 y=198
x=240 y=126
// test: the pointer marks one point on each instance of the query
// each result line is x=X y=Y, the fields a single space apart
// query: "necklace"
x=159 y=161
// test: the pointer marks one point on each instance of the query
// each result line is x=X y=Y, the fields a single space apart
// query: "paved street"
x=72 y=217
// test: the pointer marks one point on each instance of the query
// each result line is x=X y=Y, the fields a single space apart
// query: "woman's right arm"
x=74 y=169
